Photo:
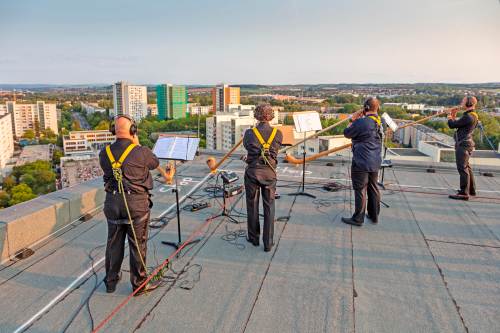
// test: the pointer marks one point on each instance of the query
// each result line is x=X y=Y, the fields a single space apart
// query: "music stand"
x=177 y=149
x=305 y=121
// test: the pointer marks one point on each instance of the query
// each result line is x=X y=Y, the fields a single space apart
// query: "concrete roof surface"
x=431 y=264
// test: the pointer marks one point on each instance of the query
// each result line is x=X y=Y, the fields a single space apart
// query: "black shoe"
x=473 y=194
x=371 y=220
x=152 y=285
x=458 y=197
x=112 y=289
x=254 y=244
x=267 y=249
x=350 y=221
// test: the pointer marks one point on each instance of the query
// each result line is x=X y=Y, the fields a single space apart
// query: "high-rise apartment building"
x=130 y=100
x=226 y=128
x=6 y=141
x=24 y=116
x=171 y=101
x=224 y=95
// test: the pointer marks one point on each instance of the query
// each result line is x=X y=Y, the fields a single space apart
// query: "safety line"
x=166 y=262
x=334 y=185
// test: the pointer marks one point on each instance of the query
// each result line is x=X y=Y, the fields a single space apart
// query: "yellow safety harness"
x=377 y=120
x=265 y=145
x=118 y=175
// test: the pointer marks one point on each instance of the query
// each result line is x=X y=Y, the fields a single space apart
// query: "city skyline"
x=274 y=43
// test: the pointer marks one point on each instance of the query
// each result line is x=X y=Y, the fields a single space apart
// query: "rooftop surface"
x=31 y=153
x=431 y=264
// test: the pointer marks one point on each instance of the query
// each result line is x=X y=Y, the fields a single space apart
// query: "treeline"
x=26 y=181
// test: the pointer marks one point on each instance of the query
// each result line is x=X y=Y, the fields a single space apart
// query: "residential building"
x=25 y=115
x=223 y=95
x=92 y=107
x=435 y=109
x=86 y=142
x=232 y=108
x=6 y=139
x=419 y=132
x=153 y=109
x=58 y=114
x=172 y=101
x=196 y=108
x=225 y=129
x=130 y=100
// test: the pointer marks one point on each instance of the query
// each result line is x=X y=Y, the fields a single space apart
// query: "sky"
x=189 y=42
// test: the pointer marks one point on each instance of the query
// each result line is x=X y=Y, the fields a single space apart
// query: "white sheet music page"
x=181 y=148
x=163 y=146
x=307 y=122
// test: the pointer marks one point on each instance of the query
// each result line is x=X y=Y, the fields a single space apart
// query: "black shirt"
x=465 y=127
x=136 y=168
x=253 y=146
x=366 y=143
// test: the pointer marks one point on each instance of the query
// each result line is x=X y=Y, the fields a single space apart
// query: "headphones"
x=468 y=103
x=133 y=128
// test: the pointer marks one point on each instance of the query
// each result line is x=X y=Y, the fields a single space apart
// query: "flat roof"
x=405 y=152
x=439 y=144
x=32 y=153
x=431 y=264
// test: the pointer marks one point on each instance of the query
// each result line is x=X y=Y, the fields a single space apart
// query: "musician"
x=365 y=129
x=135 y=163
x=262 y=144
x=464 y=145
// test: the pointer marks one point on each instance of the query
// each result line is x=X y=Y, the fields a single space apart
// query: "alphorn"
x=213 y=166
x=296 y=161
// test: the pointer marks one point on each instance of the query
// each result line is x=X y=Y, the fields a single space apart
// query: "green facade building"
x=172 y=101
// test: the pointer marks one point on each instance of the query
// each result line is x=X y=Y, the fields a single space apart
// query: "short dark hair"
x=264 y=112
x=372 y=103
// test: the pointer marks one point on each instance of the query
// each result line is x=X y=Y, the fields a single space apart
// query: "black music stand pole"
x=302 y=192
x=179 y=244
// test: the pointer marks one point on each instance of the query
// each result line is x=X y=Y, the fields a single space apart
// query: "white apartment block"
x=6 y=139
x=92 y=107
x=225 y=129
x=86 y=142
x=153 y=109
x=196 y=109
x=130 y=100
x=24 y=116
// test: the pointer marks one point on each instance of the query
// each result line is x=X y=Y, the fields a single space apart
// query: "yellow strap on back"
x=377 y=120
x=267 y=144
x=118 y=164
x=474 y=114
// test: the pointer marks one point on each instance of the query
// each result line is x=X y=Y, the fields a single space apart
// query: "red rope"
x=158 y=269
x=333 y=185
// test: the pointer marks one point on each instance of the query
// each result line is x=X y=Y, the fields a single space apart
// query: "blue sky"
x=239 y=41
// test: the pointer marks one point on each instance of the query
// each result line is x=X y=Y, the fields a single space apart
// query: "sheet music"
x=181 y=148
x=163 y=146
x=307 y=122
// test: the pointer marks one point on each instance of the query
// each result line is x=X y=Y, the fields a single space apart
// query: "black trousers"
x=256 y=181
x=115 y=250
x=467 y=184
x=363 y=182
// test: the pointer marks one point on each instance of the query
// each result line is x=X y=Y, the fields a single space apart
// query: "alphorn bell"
x=296 y=161
x=169 y=174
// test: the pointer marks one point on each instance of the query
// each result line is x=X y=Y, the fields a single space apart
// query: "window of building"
x=311 y=150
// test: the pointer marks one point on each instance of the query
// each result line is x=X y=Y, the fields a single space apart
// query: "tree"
x=4 y=199
x=56 y=157
x=29 y=179
x=49 y=133
x=44 y=177
x=59 y=141
x=29 y=134
x=75 y=126
x=103 y=125
x=350 y=108
x=37 y=126
x=21 y=193
x=146 y=142
x=8 y=183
